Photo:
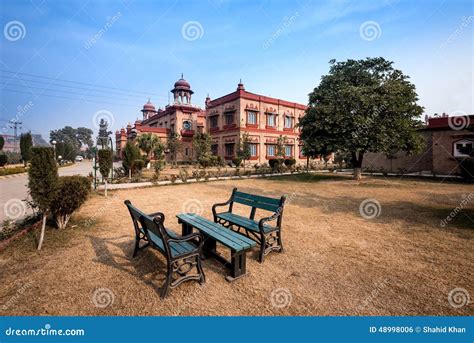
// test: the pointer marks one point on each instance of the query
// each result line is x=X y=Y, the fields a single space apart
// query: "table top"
x=226 y=236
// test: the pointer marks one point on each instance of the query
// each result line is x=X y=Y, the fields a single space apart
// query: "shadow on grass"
x=410 y=212
x=145 y=263
x=308 y=177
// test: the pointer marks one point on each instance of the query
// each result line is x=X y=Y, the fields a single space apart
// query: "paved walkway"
x=14 y=190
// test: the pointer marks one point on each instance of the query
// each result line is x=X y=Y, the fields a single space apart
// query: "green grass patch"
x=10 y=171
x=308 y=177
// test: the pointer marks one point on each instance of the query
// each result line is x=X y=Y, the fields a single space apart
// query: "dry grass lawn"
x=335 y=262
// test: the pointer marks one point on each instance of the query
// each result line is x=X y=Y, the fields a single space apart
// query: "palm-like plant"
x=147 y=143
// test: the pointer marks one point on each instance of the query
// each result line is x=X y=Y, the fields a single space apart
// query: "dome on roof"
x=149 y=106
x=182 y=84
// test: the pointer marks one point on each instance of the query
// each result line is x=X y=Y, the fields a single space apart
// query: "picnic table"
x=214 y=233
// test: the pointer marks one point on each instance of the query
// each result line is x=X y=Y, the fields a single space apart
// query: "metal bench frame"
x=178 y=265
x=271 y=239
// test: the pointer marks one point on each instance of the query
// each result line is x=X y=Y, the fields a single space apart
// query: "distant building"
x=447 y=141
x=226 y=119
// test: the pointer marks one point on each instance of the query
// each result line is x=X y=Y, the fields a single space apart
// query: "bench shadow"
x=141 y=266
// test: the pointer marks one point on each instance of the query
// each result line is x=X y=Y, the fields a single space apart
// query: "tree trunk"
x=130 y=173
x=357 y=162
x=43 y=227
x=105 y=191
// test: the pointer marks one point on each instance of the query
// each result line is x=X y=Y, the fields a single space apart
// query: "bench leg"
x=208 y=247
x=238 y=265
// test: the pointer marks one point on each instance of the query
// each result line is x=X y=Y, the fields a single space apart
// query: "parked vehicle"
x=79 y=158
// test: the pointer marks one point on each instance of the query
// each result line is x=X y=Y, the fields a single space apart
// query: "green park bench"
x=266 y=235
x=182 y=253
x=214 y=233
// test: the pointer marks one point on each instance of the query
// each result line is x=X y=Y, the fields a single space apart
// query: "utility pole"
x=15 y=125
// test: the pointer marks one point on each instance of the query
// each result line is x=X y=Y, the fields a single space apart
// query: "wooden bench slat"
x=259 y=198
x=218 y=232
x=253 y=203
x=244 y=222
x=234 y=236
x=225 y=236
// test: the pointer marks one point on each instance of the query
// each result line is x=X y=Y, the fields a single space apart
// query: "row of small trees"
x=51 y=194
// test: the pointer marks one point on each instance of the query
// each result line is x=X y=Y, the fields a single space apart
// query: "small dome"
x=182 y=84
x=149 y=106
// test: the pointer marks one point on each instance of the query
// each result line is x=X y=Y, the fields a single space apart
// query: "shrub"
x=466 y=167
x=183 y=174
x=42 y=182
x=173 y=178
x=290 y=162
x=275 y=163
x=138 y=165
x=159 y=166
x=71 y=193
x=130 y=154
x=237 y=162
x=105 y=165
x=119 y=172
x=3 y=160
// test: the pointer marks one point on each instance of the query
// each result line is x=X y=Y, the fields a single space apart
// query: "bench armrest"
x=227 y=203
x=268 y=219
x=190 y=237
x=160 y=216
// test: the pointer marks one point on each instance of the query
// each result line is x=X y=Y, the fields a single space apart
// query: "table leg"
x=186 y=229
x=209 y=247
x=238 y=265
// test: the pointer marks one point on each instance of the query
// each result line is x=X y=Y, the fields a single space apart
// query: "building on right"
x=265 y=119
x=448 y=140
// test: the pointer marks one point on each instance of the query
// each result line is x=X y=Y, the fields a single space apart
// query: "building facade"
x=226 y=119
x=447 y=141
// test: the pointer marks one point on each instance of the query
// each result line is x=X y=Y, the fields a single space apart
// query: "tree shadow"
x=410 y=212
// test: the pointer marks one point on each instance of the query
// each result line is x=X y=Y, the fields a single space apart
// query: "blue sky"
x=278 y=48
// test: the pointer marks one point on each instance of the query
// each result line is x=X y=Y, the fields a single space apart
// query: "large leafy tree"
x=130 y=154
x=362 y=106
x=75 y=137
x=26 y=143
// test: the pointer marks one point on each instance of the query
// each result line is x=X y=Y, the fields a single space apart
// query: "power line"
x=15 y=124
x=68 y=86
x=77 y=82
x=63 y=97
x=59 y=90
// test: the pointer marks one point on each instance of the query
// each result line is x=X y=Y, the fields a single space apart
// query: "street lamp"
x=54 y=147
